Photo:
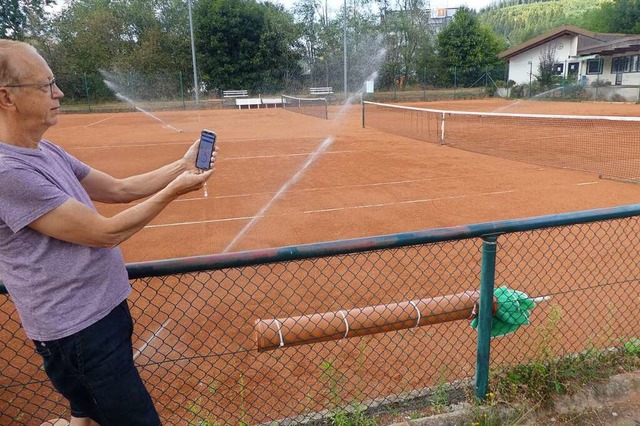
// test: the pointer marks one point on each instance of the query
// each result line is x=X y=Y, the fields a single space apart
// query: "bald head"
x=11 y=59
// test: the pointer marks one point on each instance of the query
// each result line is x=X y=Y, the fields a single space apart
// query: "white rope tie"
x=279 y=333
x=346 y=323
x=418 y=311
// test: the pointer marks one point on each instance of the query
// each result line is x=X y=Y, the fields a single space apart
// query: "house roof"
x=621 y=45
x=587 y=40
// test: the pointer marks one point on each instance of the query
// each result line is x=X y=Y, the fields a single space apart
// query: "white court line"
x=425 y=200
x=198 y=222
x=366 y=206
x=101 y=121
x=150 y=339
x=361 y=185
x=506 y=106
x=133 y=146
x=308 y=138
x=231 y=219
x=302 y=154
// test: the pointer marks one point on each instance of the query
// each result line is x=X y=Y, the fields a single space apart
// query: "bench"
x=235 y=93
x=248 y=102
x=321 y=90
x=271 y=101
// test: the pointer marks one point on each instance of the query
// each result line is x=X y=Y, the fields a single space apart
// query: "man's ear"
x=7 y=99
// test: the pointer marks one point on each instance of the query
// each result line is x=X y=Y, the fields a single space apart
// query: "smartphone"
x=205 y=149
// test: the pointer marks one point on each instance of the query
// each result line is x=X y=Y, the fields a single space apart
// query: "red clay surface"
x=366 y=183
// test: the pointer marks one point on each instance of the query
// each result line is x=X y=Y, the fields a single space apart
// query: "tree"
x=408 y=40
x=245 y=44
x=315 y=37
x=143 y=44
x=470 y=47
x=546 y=76
x=619 y=16
x=130 y=35
x=19 y=16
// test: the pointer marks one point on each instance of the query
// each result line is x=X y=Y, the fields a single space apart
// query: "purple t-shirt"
x=59 y=288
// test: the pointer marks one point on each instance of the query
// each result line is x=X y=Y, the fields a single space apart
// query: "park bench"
x=235 y=93
x=314 y=91
x=248 y=102
x=275 y=102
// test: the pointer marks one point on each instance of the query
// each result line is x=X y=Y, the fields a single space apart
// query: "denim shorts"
x=93 y=369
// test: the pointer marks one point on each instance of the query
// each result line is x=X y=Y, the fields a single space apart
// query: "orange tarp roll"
x=278 y=332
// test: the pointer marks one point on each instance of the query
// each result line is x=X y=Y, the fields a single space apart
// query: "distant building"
x=592 y=59
x=441 y=17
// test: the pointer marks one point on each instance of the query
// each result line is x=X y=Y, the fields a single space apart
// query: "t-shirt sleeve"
x=79 y=169
x=25 y=196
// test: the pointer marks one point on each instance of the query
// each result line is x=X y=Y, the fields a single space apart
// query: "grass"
x=527 y=387
x=536 y=383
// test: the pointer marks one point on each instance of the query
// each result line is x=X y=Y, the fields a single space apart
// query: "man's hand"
x=189 y=158
x=189 y=181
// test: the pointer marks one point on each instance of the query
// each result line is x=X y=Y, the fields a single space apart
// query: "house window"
x=627 y=63
x=558 y=69
x=617 y=65
x=594 y=66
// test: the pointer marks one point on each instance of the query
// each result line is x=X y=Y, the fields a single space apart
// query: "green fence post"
x=455 y=81
x=424 y=84
x=184 y=106
x=485 y=314
x=86 y=89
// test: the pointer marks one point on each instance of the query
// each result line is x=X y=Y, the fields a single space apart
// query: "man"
x=59 y=257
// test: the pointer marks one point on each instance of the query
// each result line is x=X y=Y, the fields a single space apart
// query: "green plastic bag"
x=514 y=308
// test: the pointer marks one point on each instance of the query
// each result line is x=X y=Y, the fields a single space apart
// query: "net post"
x=362 y=101
x=442 y=129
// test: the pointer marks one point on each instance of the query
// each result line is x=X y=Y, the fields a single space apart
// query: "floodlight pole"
x=530 y=72
x=344 y=59
x=193 y=56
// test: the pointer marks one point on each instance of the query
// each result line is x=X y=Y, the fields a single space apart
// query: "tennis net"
x=606 y=145
x=315 y=107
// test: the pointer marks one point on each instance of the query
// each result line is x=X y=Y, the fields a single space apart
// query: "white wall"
x=519 y=65
x=628 y=78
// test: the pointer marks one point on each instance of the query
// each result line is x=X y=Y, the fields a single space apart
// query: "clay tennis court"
x=195 y=333
x=366 y=183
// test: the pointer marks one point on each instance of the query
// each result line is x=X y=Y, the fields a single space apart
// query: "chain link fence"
x=130 y=91
x=195 y=338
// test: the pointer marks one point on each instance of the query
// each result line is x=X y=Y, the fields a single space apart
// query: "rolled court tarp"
x=282 y=332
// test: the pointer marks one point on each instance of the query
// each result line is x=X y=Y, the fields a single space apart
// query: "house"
x=589 y=58
x=440 y=17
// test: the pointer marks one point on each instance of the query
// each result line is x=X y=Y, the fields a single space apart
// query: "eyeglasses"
x=43 y=85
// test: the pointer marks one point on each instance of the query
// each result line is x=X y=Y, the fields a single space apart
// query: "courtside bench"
x=235 y=93
x=248 y=102
x=274 y=102
x=229 y=97
x=315 y=91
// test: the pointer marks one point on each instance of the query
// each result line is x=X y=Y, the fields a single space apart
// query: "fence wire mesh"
x=195 y=341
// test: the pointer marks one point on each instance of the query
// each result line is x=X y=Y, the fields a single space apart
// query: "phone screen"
x=205 y=149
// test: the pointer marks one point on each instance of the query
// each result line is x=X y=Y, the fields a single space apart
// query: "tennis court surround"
x=606 y=145
x=194 y=339
x=315 y=107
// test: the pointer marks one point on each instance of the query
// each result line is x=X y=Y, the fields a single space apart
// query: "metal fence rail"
x=195 y=340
